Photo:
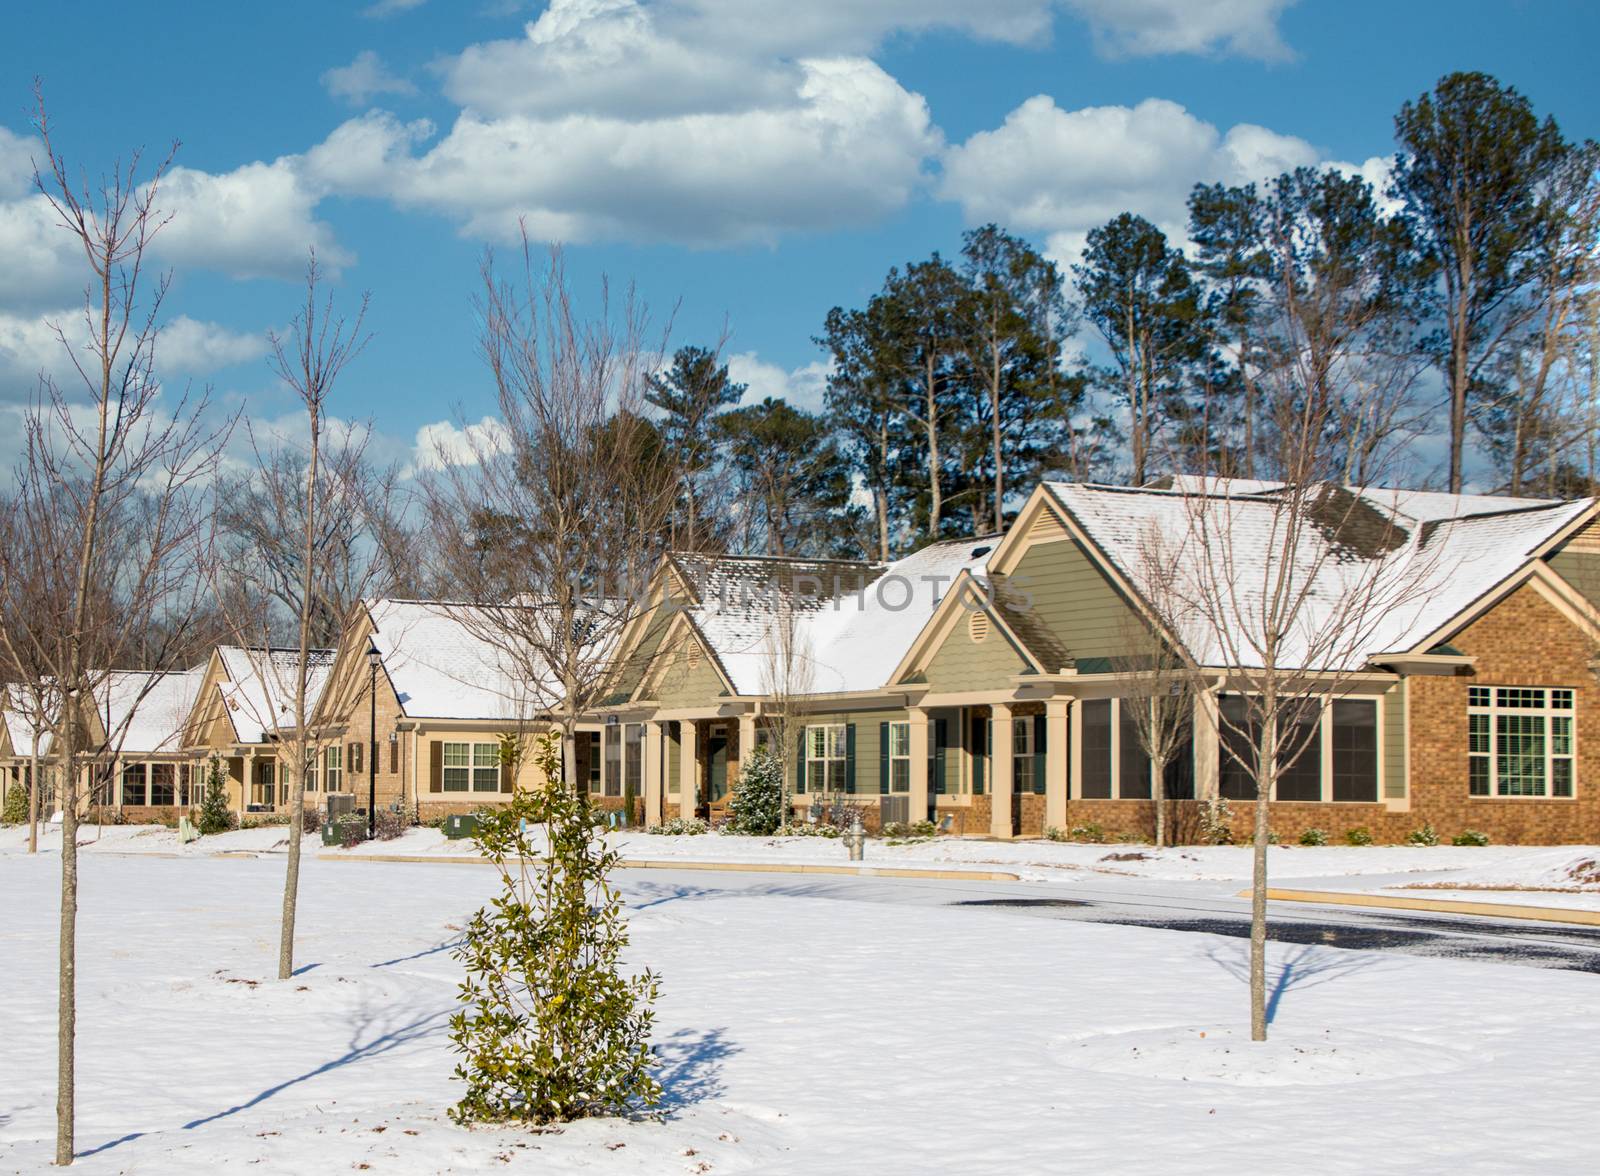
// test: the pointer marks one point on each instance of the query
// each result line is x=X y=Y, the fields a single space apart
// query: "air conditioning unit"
x=340 y=804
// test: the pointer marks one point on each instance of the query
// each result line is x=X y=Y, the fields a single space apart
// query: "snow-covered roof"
x=259 y=685
x=1427 y=563
x=143 y=712
x=446 y=662
x=20 y=728
x=852 y=622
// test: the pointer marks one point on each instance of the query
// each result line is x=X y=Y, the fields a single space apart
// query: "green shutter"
x=850 y=757
x=1038 y=754
x=979 y=752
x=800 y=764
x=883 y=758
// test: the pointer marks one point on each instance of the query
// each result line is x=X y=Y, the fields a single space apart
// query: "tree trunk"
x=33 y=795
x=999 y=460
x=67 y=964
x=1266 y=774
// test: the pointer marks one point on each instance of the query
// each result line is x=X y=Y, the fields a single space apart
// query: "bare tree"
x=788 y=676
x=1157 y=672
x=319 y=345
x=111 y=496
x=549 y=525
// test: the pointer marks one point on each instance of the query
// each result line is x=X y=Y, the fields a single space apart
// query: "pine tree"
x=215 y=816
x=549 y=1027
x=756 y=806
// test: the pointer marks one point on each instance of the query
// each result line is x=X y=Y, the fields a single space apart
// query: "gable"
x=1577 y=562
x=962 y=663
x=684 y=674
x=1063 y=591
x=630 y=667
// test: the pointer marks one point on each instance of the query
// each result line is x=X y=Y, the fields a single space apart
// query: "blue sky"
x=752 y=161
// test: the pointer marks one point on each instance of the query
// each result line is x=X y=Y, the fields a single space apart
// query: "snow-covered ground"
x=798 y=1034
x=1564 y=876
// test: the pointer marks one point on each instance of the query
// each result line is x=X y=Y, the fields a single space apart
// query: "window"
x=1022 y=755
x=1096 y=724
x=311 y=769
x=333 y=767
x=1355 y=750
x=133 y=789
x=613 y=748
x=473 y=767
x=899 y=757
x=1301 y=737
x=486 y=767
x=185 y=795
x=262 y=784
x=1519 y=741
x=163 y=783
x=633 y=758
x=1133 y=768
x=457 y=759
x=827 y=758
x=1237 y=750
x=356 y=757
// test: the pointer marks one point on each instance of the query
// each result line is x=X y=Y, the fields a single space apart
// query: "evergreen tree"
x=1138 y=293
x=691 y=394
x=214 y=815
x=1473 y=170
x=755 y=807
x=794 y=482
x=549 y=1028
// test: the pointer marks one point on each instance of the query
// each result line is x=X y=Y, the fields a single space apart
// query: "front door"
x=717 y=765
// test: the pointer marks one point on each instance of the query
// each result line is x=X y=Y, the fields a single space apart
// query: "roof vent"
x=978 y=626
x=978 y=551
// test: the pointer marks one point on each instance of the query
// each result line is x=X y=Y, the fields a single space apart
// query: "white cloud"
x=1061 y=173
x=17 y=155
x=192 y=347
x=802 y=387
x=444 y=443
x=1142 y=28
x=363 y=79
x=386 y=8
x=255 y=221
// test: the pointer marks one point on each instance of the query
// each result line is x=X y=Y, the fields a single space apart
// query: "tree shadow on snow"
x=688 y=1066
x=372 y=1035
x=443 y=945
x=1305 y=967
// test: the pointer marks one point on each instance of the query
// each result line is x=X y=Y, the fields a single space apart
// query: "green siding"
x=1394 y=743
x=1072 y=597
x=869 y=751
x=682 y=686
x=1581 y=569
x=632 y=670
x=964 y=664
x=671 y=748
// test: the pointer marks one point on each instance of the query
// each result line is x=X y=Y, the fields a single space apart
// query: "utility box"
x=338 y=832
x=460 y=825
x=340 y=804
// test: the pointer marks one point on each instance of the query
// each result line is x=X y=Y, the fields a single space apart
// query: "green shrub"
x=1425 y=836
x=1314 y=837
x=679 y=827
x=549 y=1027
x=15 y=811
x=391 y=823
x=1358 y=836
x=807 y=829
x=1470 y=837
x=899 y=831
x=1216 y=821
x=1093 y=833
x=214 y=815
x=755 y=807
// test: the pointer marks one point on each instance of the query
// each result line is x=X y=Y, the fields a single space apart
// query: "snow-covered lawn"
x=1567 y=876
x=798 y=1033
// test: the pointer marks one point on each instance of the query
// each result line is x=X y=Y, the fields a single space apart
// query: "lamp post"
x=374 y=659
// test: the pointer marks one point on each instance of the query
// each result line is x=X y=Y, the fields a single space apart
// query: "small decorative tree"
x=549 y=1028
x=756 y=807
x=214 y=816
x=15 y=811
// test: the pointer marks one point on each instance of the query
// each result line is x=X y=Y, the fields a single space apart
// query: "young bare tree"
x=788 y=675
x=111 y=497
x=319 y=345
x=548 y=525
x=1159 y=682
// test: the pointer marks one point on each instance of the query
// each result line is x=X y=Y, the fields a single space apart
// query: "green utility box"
x=461 y=825
x=334 y=832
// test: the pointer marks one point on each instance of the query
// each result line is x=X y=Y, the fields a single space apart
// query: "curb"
x=715 y=867
x=1448 y=906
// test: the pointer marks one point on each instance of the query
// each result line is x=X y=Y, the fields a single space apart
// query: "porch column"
x=653 y=765
x=917 y=805
x=688 y=767
x=1000 y=770
x=1056 y=746
x=747 y=738
x=1206 y=745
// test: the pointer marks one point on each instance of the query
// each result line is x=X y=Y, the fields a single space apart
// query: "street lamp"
x=374 y=660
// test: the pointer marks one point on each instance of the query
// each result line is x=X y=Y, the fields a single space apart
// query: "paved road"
x=1174 y=906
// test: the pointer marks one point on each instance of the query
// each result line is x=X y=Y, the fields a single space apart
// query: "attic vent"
x=978 y=626
x=1046 y=526
x=693 y=656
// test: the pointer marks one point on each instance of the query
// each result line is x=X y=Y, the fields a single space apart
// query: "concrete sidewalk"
x=1450 y=906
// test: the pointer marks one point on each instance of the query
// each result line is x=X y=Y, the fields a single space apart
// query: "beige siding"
x=1072 y=596
x=1579 y=567
x=1394 y=743
x=632 y=671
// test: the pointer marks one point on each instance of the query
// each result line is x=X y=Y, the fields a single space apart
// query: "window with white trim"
x=899 y=757
x=333 y=767
x=1519 y=741
x=1022 y=754
x=827 y=751
x=470 y=767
